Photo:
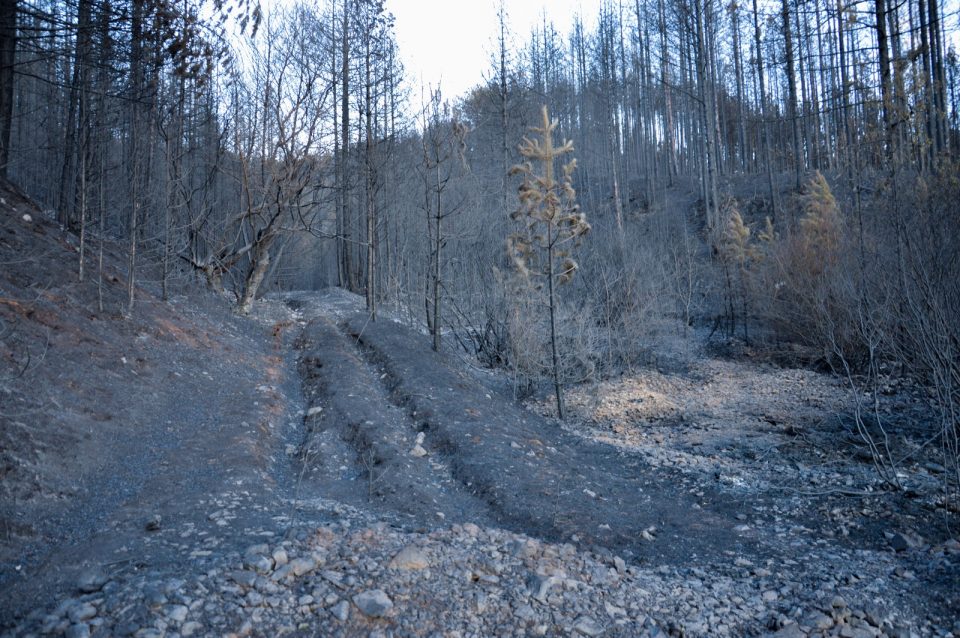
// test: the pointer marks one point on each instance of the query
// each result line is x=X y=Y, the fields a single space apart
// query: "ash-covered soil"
x=306 y=471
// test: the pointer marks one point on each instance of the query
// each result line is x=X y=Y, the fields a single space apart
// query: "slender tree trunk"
x=792 y=89
x=708 y=113
x=83 y=212
x=66 y=200
x=557 y=388
x=502 y=105
x=815 y=89
x=438 y=244
x=844 y=85
x=136 y=78
x=886 y=96
x=938 y=79
x=338 y=156
x=741 y=98
x=670 y=142
x=347 y=248
x=8 y=49
x=764 y=112
x=371 y=288
x=899 y=90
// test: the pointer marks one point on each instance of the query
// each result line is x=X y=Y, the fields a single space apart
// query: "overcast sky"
x=450 y=42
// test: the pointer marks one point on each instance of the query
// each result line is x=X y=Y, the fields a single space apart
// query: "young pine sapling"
x=553 y=224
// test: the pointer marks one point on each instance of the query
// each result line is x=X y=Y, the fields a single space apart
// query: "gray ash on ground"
x=185 y=471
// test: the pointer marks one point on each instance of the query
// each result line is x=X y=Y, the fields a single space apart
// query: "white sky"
x=450 y=42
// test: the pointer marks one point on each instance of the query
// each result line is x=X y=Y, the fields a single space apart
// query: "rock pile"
x=376 y=580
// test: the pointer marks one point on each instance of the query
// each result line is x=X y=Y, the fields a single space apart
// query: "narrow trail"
x=362 y=448
x=203 y=466
x=533 y=477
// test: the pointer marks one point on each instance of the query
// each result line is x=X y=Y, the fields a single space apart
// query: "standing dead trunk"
x=371 y=208
x=8 y=49
x=260 y=262
x=342 y=192
x=764 y=112
x=886 y=97
x=741 y=97
x=670 y=142
x=792 y=90
x=66 y=200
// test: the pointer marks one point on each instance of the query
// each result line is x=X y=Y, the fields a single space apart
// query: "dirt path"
x=734 y=463
x=195 y=461
x=317 y=434
x=525 y=473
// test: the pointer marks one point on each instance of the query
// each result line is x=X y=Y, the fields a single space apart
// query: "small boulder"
x=373 y=603
x=539 y=585
x=301 y=566
x=80 y=630
x=341 y=611
x=903 y=541
x=177 y=613
x=587 y=626
x=81 y=612
x=790 y=631
x=258 y=563
x=92 y=580
x=817 y=620
x=410 y=558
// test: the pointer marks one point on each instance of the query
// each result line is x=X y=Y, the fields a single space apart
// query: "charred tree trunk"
x=8 y=50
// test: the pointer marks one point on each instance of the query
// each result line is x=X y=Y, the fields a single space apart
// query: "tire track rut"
x=358 y=445
x=372 y=387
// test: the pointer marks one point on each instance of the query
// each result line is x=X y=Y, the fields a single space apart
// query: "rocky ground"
x=309 y=472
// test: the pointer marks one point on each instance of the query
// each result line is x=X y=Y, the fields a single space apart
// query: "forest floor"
x=306 y=471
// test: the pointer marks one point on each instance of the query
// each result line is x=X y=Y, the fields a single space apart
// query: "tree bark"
x=792 y=89
x=347 y=248
x=8 y=50
x=764 y=112
x=886 y=97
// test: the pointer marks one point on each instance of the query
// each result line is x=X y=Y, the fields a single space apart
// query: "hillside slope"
x=108 y=422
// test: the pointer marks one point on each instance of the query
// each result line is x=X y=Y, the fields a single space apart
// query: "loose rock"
x=374 y=603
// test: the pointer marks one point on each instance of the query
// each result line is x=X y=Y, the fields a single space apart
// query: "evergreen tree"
x=552 y=220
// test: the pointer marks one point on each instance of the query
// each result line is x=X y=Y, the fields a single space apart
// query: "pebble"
x=177 y=613
x=410 y=558
x=258 y=563
x=374 y=603
x=790 y=631
x=82 y=611
x=80 y=630
x=153 y=523
x=91 y=580
x=243 y=577
x=817 y=620
x=301 y=566
x=587 y=626
x=341 y=611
